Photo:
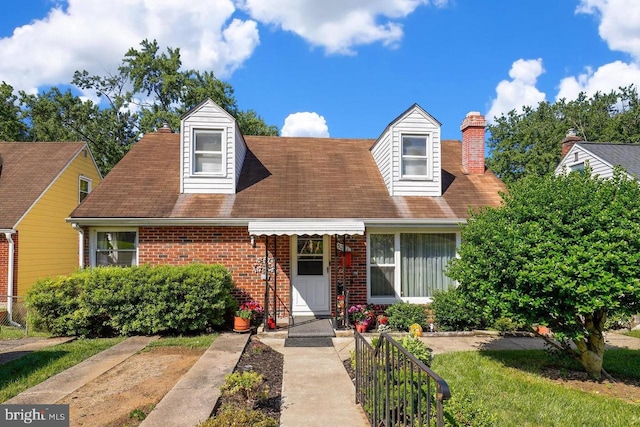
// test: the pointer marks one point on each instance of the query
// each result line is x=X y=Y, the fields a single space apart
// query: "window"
x=414 y=156
x=577 y=167
x=207 y=152
x=410 y=266
x=84 y=188
x=116 y=247
x=310 y=256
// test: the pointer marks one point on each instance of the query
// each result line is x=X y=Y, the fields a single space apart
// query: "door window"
x=310 y=256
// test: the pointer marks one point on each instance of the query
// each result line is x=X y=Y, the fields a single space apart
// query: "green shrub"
x=136 y=300
x=506 y=324
x=402 y=315
x=239 y=417
x=453 y=312
x=245 y=388
x=418 y=348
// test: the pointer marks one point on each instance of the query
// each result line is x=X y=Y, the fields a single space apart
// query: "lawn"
x=31 y=369
x=11 y=332
x=513 y=388
x=635 y=333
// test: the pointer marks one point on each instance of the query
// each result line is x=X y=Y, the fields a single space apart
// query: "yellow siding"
x=48 y=246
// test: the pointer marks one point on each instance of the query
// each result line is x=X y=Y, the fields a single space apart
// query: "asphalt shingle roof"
x=625 y=155
x=27 y=170
x=282 y=177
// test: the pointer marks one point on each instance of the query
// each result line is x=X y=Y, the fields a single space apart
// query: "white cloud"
x=95 y=34
x=337 y=25
x=619 y=23
x=305 y=124
x=605 y=79
x=520 y=90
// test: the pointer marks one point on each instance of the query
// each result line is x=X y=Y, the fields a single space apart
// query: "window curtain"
x=423 y=259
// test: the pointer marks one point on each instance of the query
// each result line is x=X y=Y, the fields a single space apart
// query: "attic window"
x=207 y=152
x=84 y=188
x=415 y=161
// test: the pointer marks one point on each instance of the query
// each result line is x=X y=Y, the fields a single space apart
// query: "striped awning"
x=310 y=227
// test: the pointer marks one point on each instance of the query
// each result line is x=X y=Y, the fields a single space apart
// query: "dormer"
x=212 y=150
x=408 y=154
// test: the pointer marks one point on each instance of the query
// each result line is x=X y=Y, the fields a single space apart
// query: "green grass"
x=635 y=334
x=197 y=341
x=11 y=333
x=33 y=368
x=503 y=388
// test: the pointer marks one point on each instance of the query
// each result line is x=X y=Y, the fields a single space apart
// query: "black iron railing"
x=395 y=388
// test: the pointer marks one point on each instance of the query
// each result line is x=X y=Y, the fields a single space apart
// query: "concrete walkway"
x=316 y=389
x=15 y=349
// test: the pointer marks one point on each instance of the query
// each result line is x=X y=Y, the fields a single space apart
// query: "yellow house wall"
x=49 y=245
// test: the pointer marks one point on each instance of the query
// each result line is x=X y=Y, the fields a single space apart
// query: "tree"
x=11 y=127
x=561 y=251
x=528 y=143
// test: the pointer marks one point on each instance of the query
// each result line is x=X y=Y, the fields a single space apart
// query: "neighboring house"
x=600 y=157
x=380 y=216
x=40 y=184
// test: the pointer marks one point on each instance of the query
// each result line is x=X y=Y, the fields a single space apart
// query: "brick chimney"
x=472 y=128
x=568 y=141
x=165 y=128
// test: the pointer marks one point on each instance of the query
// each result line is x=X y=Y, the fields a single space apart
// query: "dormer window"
x=415 y=159
x=207 y=152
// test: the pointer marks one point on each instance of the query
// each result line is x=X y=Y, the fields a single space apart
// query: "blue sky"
x=343 y=68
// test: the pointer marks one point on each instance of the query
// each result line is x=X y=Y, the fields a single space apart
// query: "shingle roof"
x=625 y=155
x=282 y=177
x=27 y=170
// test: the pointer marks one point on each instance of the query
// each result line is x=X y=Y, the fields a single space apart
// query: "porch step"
x=310 y=327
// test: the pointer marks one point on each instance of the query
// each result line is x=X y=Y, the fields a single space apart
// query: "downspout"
x=11 y=266
x=80 y=231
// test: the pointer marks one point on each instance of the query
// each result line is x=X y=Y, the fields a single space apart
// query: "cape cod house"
x=296 y=220
x=601 y=157
x=40 y=184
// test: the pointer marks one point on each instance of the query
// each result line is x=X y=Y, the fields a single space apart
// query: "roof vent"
x=165 y=128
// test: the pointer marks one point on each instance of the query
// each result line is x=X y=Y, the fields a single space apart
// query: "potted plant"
x=359 y=316
x=247 y=313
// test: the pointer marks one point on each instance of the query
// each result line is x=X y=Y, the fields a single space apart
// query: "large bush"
x=454 y=312
x=136 y=300
x=402 y=315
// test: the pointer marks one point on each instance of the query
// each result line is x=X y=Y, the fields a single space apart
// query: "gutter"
x=10 y=268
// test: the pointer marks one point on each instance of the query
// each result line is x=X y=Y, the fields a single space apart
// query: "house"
x=40 y=184
x=600 y=157
x=296 y=220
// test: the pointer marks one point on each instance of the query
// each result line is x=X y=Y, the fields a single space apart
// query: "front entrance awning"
x=290 y=228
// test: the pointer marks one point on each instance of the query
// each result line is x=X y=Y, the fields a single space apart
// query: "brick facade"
x=231 y=247
x=473 y=143
x=4 y=264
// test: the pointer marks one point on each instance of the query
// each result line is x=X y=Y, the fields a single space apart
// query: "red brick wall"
x=4 y=264
x=355 y=276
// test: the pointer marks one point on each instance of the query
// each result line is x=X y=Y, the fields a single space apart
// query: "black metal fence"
x=395 y=388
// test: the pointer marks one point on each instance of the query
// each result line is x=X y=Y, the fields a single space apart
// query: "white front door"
x=310 y=275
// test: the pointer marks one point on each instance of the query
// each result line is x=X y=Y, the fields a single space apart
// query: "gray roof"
x=625 y=155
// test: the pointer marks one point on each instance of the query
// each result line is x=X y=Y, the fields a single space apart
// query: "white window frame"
x=397 y=256
x=427 y=157
x=93 y=241
x=222 y=152
x=82 y=179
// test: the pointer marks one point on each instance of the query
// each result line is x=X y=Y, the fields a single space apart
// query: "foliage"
x=418 y=348
x=528 y=143
x=562 y=251
x=506 y=324
x=135 y=300
x=33 y=368
x=455 y=312
x=149 y=89
x=634 y=333
x=202 y=341
x=239 y=417
x=245 y=388
x=357 y=313
x=249 y=310
x=401 y=315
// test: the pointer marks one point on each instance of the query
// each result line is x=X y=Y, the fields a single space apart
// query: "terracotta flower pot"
x=241 y=325
x=362 y=328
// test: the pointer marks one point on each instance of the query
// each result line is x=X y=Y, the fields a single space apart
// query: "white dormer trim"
x=196 y=175
x=395 y=161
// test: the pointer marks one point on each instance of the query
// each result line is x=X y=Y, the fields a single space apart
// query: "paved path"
x=15 y=349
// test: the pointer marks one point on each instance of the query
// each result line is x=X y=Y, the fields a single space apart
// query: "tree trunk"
x=591 y=348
